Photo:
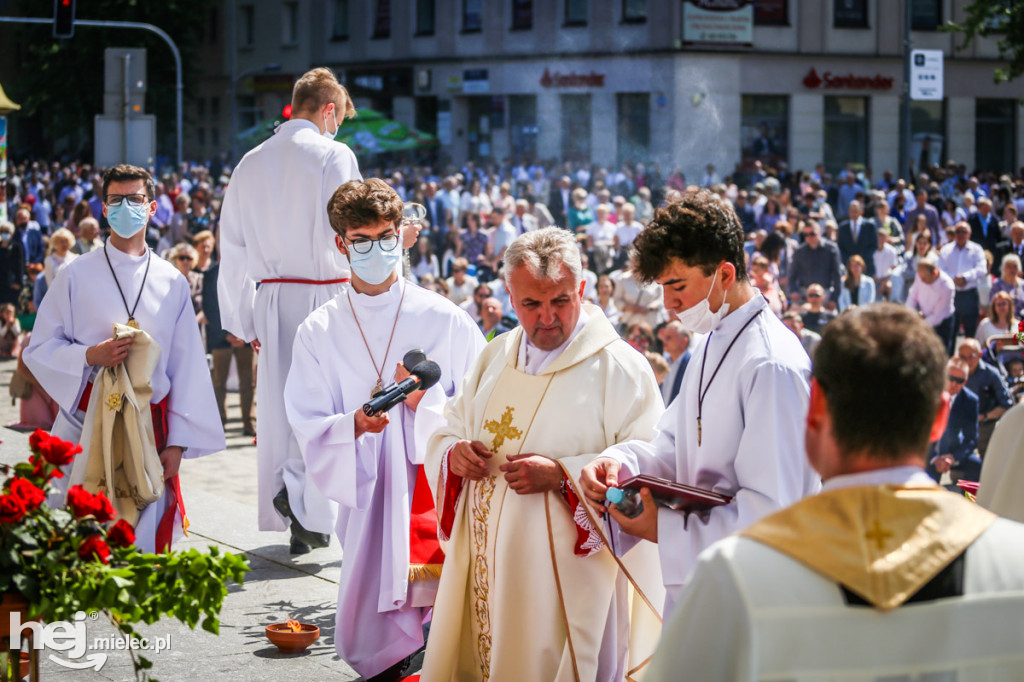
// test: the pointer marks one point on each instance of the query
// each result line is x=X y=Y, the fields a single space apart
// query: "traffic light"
x=63 y=18
x=287 y=111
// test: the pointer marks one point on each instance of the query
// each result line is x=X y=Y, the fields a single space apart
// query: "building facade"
x=679 y=82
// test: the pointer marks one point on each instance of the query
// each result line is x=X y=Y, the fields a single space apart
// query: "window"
x=215 y=107
x=424 y=17
x=926 y=15
x=764 y=129
x=576 y=12
x=215 y=136
x=471 y=18
x=927 y=132
x=246 y=25
x=248 y=112
x=576 y=128
x=382 y=20
x=850 y=14
x=522 y=121
x=995 y=134
x=339 y=27
x=201 y=136
x=634 y=11
x=634 y=128
x=522 y=15
x=213 y=25
x=290 y=23
x=771 y=13
x=201 y=107
x=846 y=132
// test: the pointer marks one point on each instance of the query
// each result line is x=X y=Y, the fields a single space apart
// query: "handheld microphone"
x=423 y=376
x=413 y=358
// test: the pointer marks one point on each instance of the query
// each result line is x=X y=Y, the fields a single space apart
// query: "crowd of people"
x=570 y=311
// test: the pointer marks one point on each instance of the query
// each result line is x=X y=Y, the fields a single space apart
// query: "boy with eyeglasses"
x=125 y=283
x=370 y=465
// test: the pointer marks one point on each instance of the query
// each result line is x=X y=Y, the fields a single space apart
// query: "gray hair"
x=1010 y=258
x=543 y=252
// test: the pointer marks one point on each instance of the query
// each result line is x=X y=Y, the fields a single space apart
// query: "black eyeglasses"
x=813 y=295
x=808 y=235
x=387 y=242
x=183 y=257
x=956 y=380
x=133 y=199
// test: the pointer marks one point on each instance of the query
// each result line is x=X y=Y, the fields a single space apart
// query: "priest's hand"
x=466 y=459
x=170 y=458
x=528 y=474
x=943 y=463
x=645 y=524
x=374 y=424
x=108 y=353
x=596 y=478
x=412 y=401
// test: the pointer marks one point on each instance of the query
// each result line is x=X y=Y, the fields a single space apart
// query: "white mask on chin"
x=699 y=318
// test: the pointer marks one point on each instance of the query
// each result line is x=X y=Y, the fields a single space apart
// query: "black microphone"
x=423 y=376
x=413 y=358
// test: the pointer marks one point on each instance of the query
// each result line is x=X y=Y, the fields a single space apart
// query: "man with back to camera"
x=735 y=426
x=878 y=576
x=275 y=233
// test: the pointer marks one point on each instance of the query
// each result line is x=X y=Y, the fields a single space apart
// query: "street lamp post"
x=233 y=96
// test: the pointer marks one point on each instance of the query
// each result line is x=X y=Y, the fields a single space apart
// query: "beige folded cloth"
x=122 y=458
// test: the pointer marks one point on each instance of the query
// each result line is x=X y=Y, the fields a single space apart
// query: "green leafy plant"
x=63 y=561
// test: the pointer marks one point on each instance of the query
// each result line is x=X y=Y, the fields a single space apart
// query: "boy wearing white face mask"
x=737 y=424
x=125 y=283
x=371 y=466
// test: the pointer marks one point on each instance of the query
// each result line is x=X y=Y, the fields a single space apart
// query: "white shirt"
x=967 y=262
x=627 y=233
x=935 y=300
x=533 y=360
x=886 y=260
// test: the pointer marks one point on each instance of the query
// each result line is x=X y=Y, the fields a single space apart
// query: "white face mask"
x=327 y=133
x=699 y=318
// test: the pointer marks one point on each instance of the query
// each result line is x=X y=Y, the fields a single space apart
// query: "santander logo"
x=828 y=80
x=812 y=79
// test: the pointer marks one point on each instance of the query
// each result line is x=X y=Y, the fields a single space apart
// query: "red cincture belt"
x=296 y=280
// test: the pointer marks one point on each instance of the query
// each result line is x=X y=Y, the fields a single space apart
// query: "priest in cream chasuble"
x=529 y=588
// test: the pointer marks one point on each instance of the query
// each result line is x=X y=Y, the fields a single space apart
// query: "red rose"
x=95 y=547
x=84 y=503
x=56 y=451
x=38 y=439
x=121 y=534
x=1020 y=326
x=27 y=492
x=40 y=466
x=12 y=509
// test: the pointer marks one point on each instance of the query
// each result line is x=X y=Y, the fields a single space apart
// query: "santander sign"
x=831 y=81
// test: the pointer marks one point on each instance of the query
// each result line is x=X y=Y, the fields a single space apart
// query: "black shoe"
x=392 y=674
x=307 y=537
x=297 y=547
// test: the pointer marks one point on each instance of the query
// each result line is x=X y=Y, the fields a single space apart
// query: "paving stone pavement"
x=220 y=496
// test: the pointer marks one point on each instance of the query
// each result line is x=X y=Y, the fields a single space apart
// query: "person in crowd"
x=956 y=452
x=763 y=280
x=12 y=264
x=752 y=365
x=964 y=262
x=79 y=212
x=476 y=245
x=659 y=366
x=885 y=221
x=640 y=336
x=27 y=231
x=461 y=285
x=10 y=332
x=59 y=253
x=274 y=231
x=580 y=215
x=204 y=243
x=600 y=240
x=1014 y=244
x=475 y=200
x=606 y=299
x=474 y=305
x=986 y=382
x=815 y=314
x=503 y=469
x=1010 y=282
x=502 y=234
x=636 y=301
x=770 y=215
x=675 y=341
x=423 y=260
x=984 y=226
x=370 y=464
x=125 y=283
x=88 y=237
x=522 y=219
x=858 y=236
x=183 y=257
x=814 y=261
x=888 y=261
x=808 y=339
x=491 y=319
x=839 y=572
x=922 y=210
x=932 y=295
x=1002 y=319
x=178 y=227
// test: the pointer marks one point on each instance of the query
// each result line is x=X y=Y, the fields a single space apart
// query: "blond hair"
x=63 y=234
x=317 y=88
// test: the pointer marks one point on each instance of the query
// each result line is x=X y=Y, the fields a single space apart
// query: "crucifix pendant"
x=132 y=323
x=698 y=431
x=377 y=389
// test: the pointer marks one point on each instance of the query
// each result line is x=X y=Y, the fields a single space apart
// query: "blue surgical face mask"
x=327 y=131
x=127 y=219
x=377 y=265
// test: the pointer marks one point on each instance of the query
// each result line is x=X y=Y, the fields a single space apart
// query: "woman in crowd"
x=475 y=200
x=769 y=216
x=10 y=332
x=952 y=214
x=452 y=250
x=184 y=257
x=580 y=216
x=78 y=214
x=476 y=246
x=59 y=254
x=857 y=288
x=640 y=336
x=605 y=295
x=423 y=260
x=1001 y=319
x=1010 y=282
x=768 y=285
x=204 y=243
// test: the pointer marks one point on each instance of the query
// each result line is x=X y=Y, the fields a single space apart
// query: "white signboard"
x=718 y=22
x=926 y=74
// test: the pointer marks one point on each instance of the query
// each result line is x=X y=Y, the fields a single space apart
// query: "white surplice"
x=751 y=612
x=752 y=445
x=79 y=311
x=380 y=614
x=274 y=226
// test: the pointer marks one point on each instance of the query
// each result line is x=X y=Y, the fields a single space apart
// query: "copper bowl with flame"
x=292 y=637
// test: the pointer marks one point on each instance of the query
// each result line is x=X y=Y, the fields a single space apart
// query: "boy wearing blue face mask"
x=345 y=351
x=737 y=423
x=125 y=283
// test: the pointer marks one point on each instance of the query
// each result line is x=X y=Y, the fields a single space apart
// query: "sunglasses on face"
x=956 y=380
x=184 y=257
x=813 y=295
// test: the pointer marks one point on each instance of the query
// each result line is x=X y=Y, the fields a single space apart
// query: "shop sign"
x=475 y=81
x=571 y=79
x=849 y=81
x=718 y=23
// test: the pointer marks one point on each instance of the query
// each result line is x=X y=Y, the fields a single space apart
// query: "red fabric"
x=582 y=534
x=452 y=489
x=424 y=548
x=296 y=280
x=83 y=404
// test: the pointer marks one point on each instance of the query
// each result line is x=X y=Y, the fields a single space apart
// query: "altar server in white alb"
x=125 y=283
x=345 y=351
x=736 y=426
x=274 y=233
x=882 y=576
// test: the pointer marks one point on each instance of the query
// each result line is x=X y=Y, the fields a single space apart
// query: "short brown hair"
x=358 y=203
x=881 y=345
x=126 y=173
x=319 y=87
